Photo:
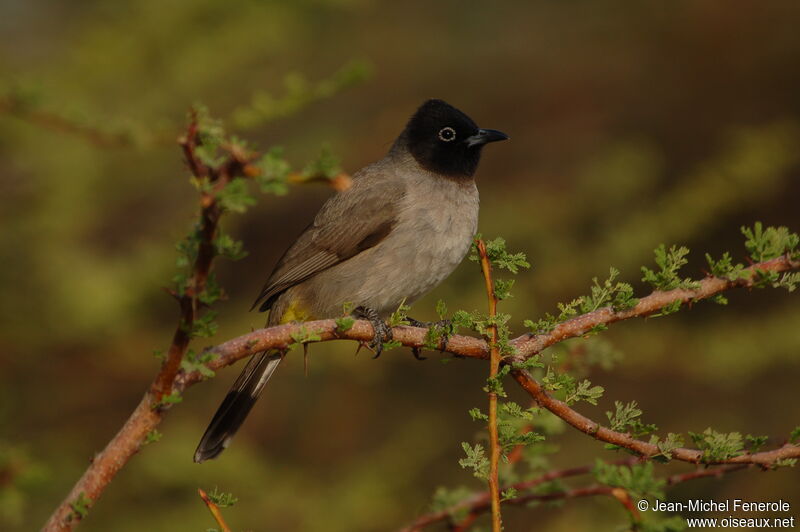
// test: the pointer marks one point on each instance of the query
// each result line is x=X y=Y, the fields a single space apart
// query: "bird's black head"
x=446 y=141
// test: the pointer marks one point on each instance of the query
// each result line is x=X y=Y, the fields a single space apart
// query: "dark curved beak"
x=484 y=136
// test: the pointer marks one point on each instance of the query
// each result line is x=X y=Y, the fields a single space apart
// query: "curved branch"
x=479 y=502
x=597 y=431
x=710 y=286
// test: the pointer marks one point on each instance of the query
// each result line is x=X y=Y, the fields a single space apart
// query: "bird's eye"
x=447 y=134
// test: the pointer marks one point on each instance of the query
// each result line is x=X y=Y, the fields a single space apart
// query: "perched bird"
x=401 y=228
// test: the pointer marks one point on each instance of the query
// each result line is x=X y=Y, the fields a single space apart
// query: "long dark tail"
x=237 y=404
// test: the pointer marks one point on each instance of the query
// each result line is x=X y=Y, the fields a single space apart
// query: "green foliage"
x=718 y=446
x=667 y=445
x=235 y=196
x=273 y=174
x=794 y=436
x=264 y=107
x=227 y=247
x=172 y=398
x=152 y=437
x=502 y=288
x=499 y=256
x=626 y=418
x=772 y=242
x=192 y=362
x=325 y=166
x=344 y=324
x=725 y=269
x=512 y=420
x=508 y=494
x=569 y=388
x=80 y=506
x=444 y=499
x=20 y=478
x=222 y=499
x=530 y=363
x=669 y=261
x=755 y=443
x=637 y=479
x=584 y=391
x=617 y=295
x=495 y=384
x=475 y=460
x=304 y=336
x=204 y=326
x=399 y=316
x=441 y=309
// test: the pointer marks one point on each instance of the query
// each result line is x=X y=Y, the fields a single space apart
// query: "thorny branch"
x=151 y=408
x=494 y=367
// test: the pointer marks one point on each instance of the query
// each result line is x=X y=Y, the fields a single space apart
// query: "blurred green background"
x=632 y=124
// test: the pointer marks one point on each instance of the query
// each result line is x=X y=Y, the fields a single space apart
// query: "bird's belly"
x=425 y=248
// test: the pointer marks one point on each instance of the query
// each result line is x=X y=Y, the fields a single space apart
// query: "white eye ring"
x=446 y=134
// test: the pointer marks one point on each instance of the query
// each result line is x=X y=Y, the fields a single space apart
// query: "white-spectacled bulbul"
x=401 y=228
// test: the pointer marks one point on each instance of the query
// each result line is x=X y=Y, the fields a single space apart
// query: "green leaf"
x=304 y=336
x=667 y=445
x=670 y=262
x=718 y=446
x=222 y=499
x=502 y=289
x=441 y=309
x=637 y=479
x=235 y=196
x=755 y=443
x=326 y=165
x=192 y=363
x=499 y=256
x=81 y=505
x=273 y=172
x=399 y=316
x=765 y=244
x=625 y=418
x=445 y=499
x=344 y=324
x=152 y=437
x=227 y=247
x=585 y=392
x=475 y=460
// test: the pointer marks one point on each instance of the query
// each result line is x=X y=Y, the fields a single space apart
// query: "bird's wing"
x=350 y=222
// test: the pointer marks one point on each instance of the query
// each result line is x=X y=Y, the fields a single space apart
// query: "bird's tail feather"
x=237 y=404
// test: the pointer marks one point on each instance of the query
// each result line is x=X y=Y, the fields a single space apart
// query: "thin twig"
x=494 y=368
x=214 y=509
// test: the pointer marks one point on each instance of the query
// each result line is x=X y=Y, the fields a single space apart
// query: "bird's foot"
x=437 y=330
x=383 y=333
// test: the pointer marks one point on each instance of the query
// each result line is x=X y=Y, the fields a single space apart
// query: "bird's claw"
x=383 y=333
x=445 y=326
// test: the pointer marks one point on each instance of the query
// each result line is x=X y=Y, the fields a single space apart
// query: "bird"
x=398 y=231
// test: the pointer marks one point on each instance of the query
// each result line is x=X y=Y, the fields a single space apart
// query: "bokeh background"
x=632 y=124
